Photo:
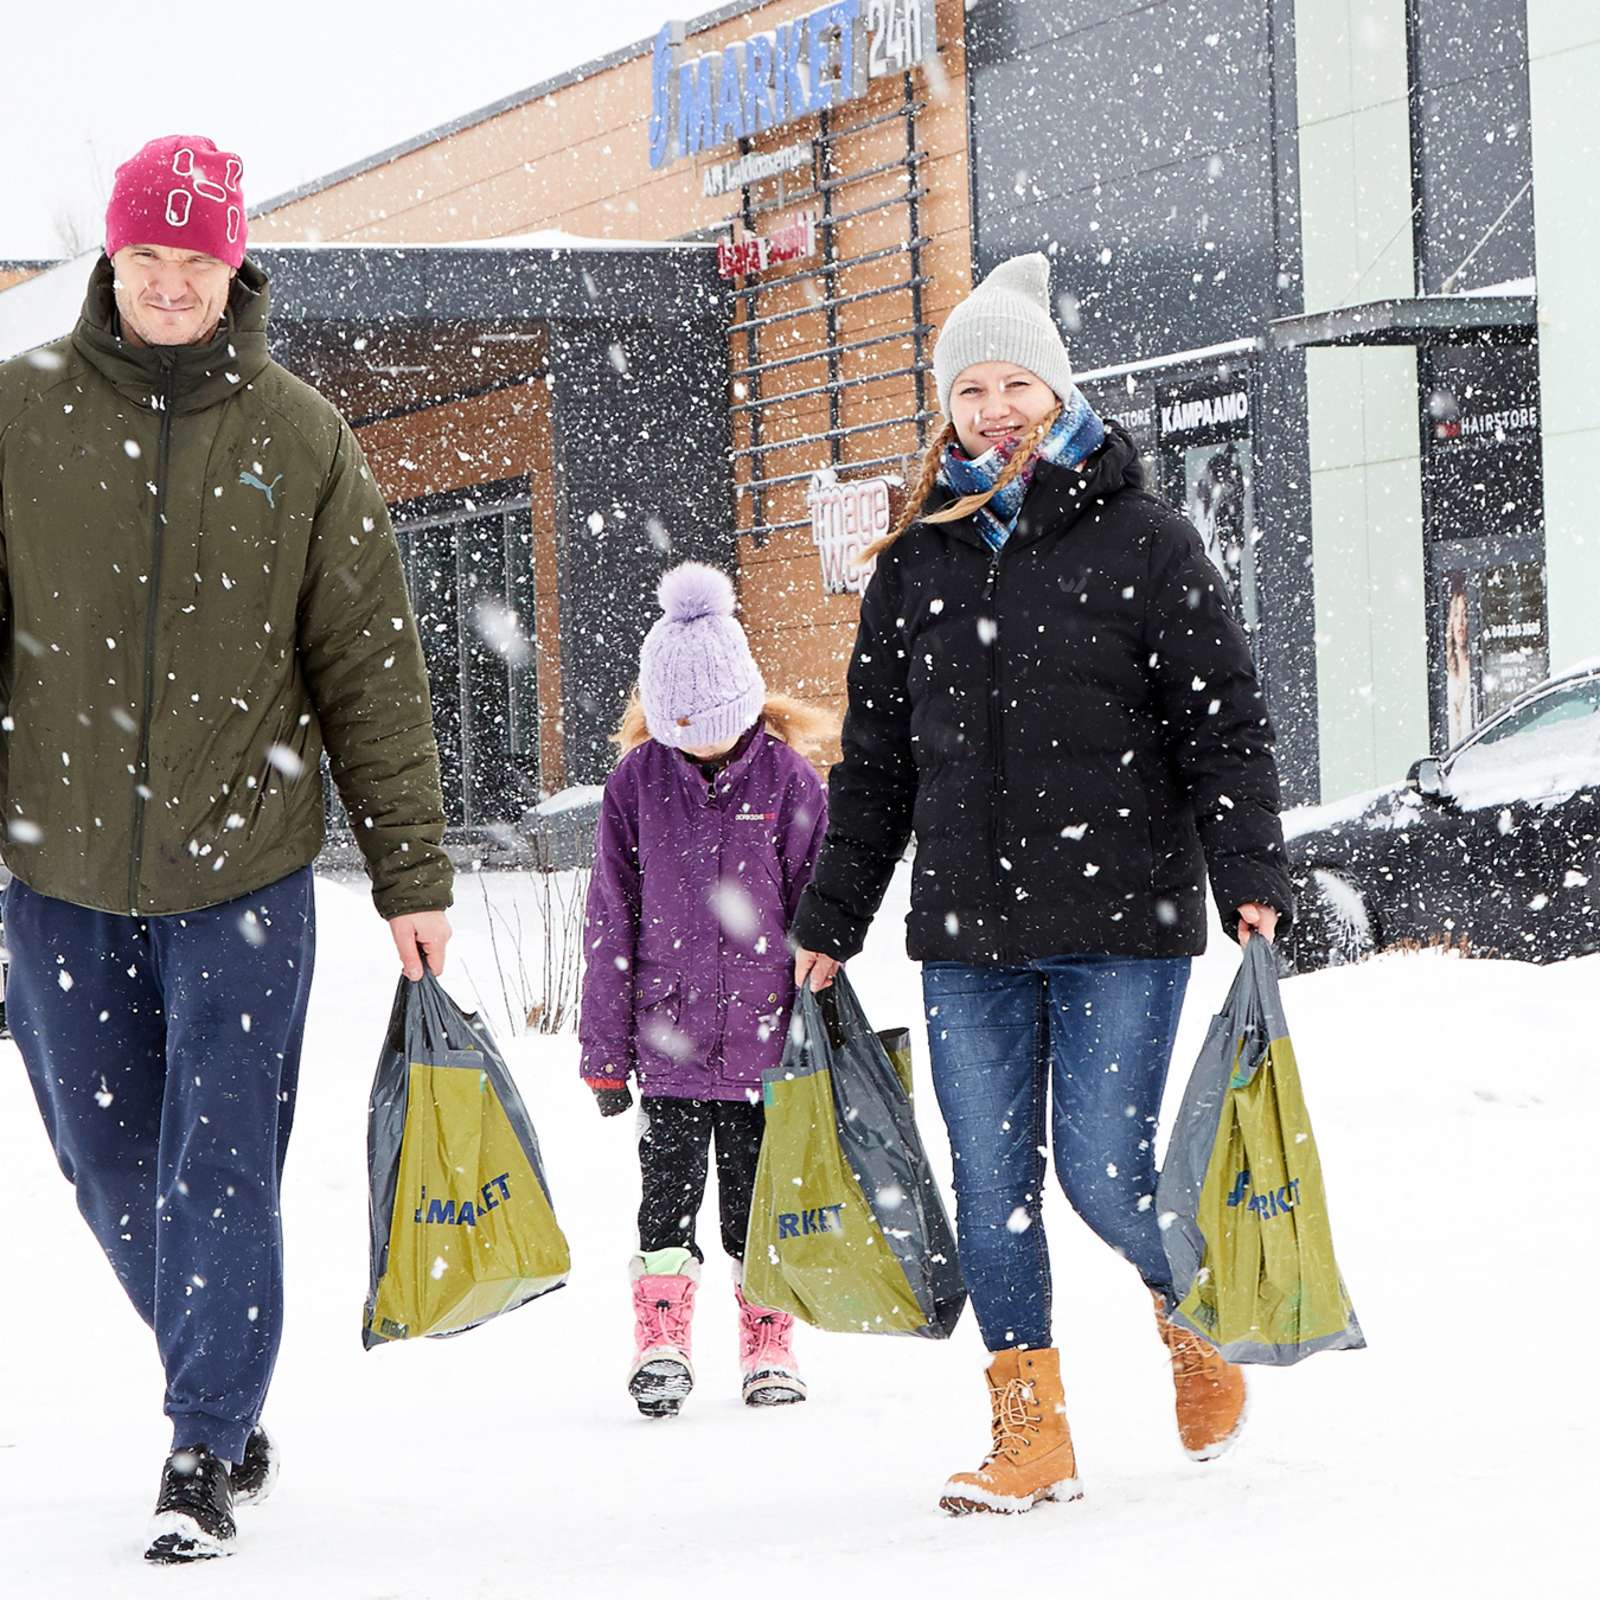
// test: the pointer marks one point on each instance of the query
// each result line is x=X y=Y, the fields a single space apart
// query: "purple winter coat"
x=688 y=978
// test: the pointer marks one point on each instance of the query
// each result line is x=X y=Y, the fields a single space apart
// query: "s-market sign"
x=824 y=58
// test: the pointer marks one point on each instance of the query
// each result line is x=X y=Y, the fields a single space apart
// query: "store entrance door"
x=469 y=567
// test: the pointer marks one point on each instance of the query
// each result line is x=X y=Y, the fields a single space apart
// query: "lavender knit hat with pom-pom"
x=698 y=683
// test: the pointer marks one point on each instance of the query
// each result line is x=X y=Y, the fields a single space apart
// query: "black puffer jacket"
x=1073 y=730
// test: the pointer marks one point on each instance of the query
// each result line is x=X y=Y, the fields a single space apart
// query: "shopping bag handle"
x=828 y=1011
x=837 y=1008
x=427 y=1005
x=1256 y=1006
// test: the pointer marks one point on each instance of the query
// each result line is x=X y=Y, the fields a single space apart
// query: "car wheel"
x=1345 y=929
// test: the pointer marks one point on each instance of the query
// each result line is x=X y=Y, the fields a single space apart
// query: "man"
x=199 y=594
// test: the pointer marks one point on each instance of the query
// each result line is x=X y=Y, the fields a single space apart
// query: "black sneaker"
x=254 y=1477
x=194 y=1516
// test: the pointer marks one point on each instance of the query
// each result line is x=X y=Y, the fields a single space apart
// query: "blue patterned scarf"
x=1077 y=434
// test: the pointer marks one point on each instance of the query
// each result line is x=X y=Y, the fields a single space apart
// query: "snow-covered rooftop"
x=43 y=308
x=543 y=239
x=46 y=306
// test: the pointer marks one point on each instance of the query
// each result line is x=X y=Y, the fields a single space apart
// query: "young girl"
x=1049 y=679
x=708 y=832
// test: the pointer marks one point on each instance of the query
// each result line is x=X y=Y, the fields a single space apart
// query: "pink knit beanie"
x=180 y=191
x=698 y=683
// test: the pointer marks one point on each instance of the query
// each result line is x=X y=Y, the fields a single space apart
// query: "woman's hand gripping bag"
x=847 y=1228
x=1241 y=1202
x=462 y=1225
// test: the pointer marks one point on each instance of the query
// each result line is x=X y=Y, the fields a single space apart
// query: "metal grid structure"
x=829 y=280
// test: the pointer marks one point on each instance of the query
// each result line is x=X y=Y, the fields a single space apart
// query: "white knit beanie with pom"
x=698 y=683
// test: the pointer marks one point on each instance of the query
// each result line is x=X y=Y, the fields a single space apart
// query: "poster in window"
x=1460 y=688
x=1514 y=635
x=1218 y=501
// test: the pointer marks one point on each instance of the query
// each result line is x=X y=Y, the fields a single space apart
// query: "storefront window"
x=1204 y=455
x=1217 y=500
x=1496 y=640
x=1483 y=509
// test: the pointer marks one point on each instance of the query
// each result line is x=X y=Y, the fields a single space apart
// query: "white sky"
x=297 y=88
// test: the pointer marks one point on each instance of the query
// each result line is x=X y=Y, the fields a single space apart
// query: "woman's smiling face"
x=992 y=401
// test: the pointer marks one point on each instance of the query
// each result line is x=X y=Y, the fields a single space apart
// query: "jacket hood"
x=201 y=375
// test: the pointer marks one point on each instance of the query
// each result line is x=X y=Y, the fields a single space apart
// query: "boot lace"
x=192 y=1483
x=1016 y=1418
x=665 y=1322
x=1191 y=1356
x=763 y=1334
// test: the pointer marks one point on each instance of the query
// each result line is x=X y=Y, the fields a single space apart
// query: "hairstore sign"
x=824 y=58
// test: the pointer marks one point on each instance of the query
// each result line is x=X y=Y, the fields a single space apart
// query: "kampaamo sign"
x=822 y=59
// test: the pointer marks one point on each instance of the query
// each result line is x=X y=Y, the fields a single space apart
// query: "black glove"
x=613 y=1102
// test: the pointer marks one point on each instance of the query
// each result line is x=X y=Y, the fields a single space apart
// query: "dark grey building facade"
x=1185 y=165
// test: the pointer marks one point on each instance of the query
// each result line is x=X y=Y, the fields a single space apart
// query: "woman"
x=1050 y=690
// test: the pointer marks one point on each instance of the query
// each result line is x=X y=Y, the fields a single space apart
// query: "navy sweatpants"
x=164 y=1053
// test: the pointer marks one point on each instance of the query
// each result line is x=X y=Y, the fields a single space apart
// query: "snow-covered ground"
x=1455 y=1104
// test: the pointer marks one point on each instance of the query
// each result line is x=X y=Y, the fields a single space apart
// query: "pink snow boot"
x=766 y=1353
x=664 y=1282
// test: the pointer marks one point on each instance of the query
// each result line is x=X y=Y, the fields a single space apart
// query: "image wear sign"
x=1202 y=412
x=845 y=519
x=824 y=57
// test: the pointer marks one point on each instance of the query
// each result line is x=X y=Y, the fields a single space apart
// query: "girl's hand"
x=1257 y=918
x=812 y=964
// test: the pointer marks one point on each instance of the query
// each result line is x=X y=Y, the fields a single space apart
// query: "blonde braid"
x=917 y=495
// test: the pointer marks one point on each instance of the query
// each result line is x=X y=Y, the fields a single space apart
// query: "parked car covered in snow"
x=1492 y=848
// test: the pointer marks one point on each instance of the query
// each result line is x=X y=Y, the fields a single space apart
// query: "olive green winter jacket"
x=199 y=592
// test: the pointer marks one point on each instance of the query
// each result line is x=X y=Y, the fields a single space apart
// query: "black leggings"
x=673 y=1147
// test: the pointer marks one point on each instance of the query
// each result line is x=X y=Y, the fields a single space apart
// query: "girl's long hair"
x=804 y=727
x=932 y=459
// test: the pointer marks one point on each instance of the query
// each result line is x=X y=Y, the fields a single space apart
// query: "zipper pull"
x=988 y=583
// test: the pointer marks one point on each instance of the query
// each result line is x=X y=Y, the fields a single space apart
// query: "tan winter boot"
x=1210 y=1392
x=1032 y=1458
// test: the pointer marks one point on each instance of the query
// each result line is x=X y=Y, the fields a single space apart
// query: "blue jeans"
x=164 y=1053
x=1092 y=1033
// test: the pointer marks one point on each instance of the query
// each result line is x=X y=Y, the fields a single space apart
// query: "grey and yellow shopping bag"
x=847 y=1227
x=462 y=1225
x=1241 y=1199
